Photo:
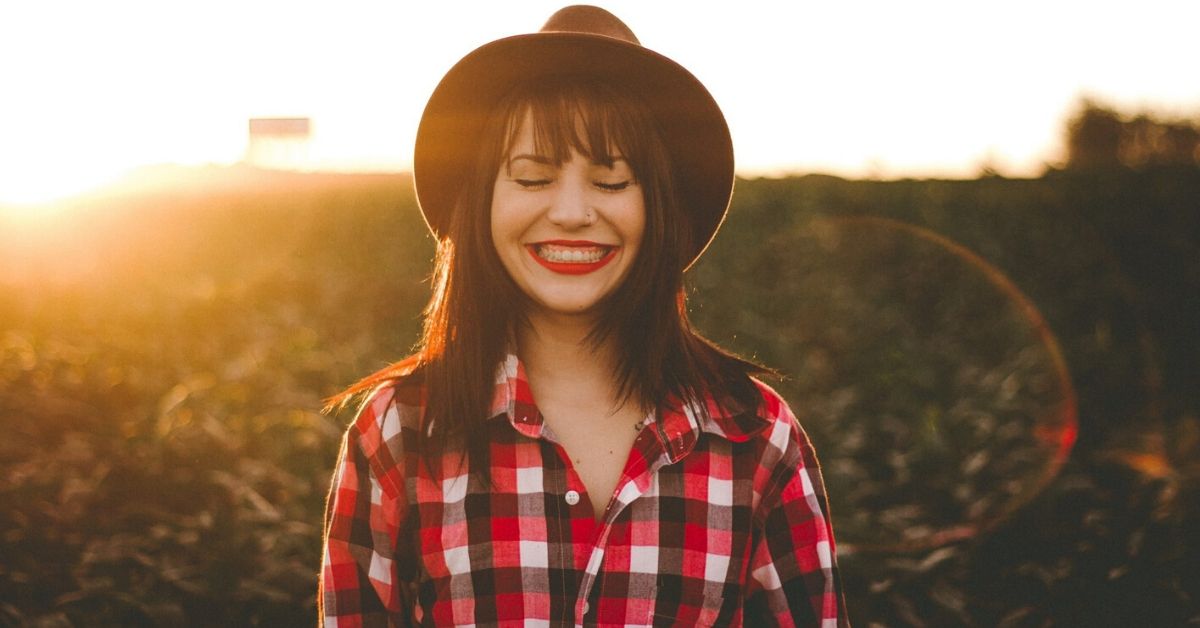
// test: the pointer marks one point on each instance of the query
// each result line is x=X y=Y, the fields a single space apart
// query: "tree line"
x=1099 y=137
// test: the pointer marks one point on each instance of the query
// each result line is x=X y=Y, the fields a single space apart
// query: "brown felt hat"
x=577 y=41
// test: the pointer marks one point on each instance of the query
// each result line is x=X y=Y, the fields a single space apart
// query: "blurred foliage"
x=164 y=354
x=903 y=350
x=1111 y=261
x=1099 y=137
x=160 y=383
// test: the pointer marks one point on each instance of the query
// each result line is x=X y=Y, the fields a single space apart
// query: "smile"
x=572 y=257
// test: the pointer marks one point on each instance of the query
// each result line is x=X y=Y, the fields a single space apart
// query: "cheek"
x=502 y=218
x=507 y=226
x=635 y=226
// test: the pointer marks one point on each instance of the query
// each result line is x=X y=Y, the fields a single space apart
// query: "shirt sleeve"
x=794 y=579
x=360 y=584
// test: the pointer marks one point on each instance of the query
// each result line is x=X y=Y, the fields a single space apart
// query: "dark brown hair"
x=475 y=304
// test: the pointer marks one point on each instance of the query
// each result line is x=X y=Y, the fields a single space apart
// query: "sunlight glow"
x=36 y=178
x=860 y=88
x=41 y=186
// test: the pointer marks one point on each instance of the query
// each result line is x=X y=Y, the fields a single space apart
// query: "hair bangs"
x=574 y=116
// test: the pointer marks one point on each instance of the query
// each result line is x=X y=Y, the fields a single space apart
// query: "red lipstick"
x=572 y=267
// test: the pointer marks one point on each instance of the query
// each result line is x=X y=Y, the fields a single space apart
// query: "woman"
x=564 y=449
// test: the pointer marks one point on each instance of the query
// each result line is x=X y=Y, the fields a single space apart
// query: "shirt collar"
x=513 y=400
x=680 y=421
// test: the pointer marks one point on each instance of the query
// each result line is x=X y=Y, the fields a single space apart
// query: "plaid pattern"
x=715 y=521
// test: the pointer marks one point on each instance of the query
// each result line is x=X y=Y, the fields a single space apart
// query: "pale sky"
x=922 y=88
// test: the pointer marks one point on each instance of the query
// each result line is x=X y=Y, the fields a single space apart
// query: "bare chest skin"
x=597 y=439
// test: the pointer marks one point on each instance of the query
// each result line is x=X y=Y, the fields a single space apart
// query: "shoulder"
x=772 y=406
x=788 y=456
x=769 y=427
x=386 y=414
x=784 y=443
x=776 y=422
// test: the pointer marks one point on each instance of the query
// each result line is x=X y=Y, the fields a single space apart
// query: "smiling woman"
x=563 y=448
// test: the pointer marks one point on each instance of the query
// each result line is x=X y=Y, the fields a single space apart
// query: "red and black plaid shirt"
x=716 y=520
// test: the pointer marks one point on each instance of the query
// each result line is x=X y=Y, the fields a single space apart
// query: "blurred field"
x=164 y=354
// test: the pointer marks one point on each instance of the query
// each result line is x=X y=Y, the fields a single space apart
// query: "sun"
x=46 y=188
x=49 y=156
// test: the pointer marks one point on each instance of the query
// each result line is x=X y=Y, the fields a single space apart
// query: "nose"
x=569 y=206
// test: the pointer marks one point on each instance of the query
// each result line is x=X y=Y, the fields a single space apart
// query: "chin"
x=569 y=307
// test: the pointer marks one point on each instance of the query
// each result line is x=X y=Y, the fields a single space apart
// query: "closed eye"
x=613 y=187
x=532 y=183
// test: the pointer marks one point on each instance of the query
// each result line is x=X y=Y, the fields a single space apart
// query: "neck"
x=553 y=341
x=557 y=355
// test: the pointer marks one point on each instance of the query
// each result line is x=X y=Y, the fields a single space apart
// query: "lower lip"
x=574 y=268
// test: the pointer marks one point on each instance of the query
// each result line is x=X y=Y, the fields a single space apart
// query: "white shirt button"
x=572 y=498
x=585 y=608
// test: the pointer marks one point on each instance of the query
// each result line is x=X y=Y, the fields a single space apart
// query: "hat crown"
x=583 y=18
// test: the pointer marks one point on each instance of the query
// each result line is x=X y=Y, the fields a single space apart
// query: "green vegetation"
x=164 y=356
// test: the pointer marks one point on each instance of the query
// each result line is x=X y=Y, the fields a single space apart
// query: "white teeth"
x=571 y=255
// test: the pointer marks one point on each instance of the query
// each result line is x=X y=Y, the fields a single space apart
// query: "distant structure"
x=279 y=143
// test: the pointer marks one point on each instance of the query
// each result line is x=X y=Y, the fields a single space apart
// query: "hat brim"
x=692 y=125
